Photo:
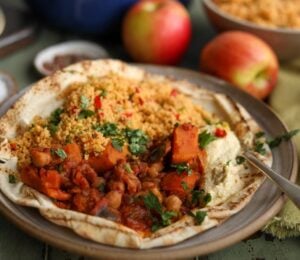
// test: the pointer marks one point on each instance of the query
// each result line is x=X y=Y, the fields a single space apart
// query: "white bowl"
x=85 y=48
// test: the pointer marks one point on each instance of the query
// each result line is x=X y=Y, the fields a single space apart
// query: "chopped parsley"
x=85 y=113
x=182 y=167
x=240 y=159
x=127 y=168
x=117 y=143
x=160 y=217
x=259 y=147
x=184 y=185
x=259 y=134
x=199 y=197
x=137 y=141
x=205 y=138
x=54 y=120
x=136 y=138
x=285 y=137
x=199 y=216
x=12 y=179
x=107 y=129
x=60 y=153
x=84 y=102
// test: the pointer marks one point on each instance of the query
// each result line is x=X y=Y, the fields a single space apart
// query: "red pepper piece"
x=220 y=132
x=97 y=102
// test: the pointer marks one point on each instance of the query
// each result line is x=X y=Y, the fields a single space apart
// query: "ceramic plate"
x=266 y=202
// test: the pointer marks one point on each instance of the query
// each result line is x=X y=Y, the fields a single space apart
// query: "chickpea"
x=148 y=185
x=40 y=158
x=154 y=169
x=117 y=186
x=157 y=193
x=114 y=199
x=173 y=203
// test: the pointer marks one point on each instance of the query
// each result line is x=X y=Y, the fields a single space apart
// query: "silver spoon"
x=289 y=188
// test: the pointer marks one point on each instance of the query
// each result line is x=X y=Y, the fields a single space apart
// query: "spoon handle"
x=289 y=188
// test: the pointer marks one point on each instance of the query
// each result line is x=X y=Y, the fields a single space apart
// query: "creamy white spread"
x=222 y=172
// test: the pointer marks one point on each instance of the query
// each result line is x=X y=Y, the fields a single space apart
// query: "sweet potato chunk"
x=45 y=181
x=73 y=153
x=179 y=183
x=184 y=143
x=107 y=159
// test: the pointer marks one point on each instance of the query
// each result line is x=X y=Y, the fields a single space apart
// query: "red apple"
x=243 y=60
x=157 y=31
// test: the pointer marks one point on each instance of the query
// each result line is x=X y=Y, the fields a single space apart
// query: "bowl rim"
x=48 y=53
x=214 y=8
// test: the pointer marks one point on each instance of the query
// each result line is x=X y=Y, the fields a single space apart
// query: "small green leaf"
x=205 y=138
x=12 y=179
x=240 y=159
x=167 y=216
x=285 y=137
x=117 y=143
x=60 y=153
x=54 y=120
x=199 y=197
x=259 y=147
x=128 y=168
x=184 y=185
x=107 y=129
x=85 y=113
x=84 y=102
x=259 y=134
x=198 y=217
x=182 y=167
x=152 y=203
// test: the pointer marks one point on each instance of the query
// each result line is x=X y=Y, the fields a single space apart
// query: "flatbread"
x=44 y=95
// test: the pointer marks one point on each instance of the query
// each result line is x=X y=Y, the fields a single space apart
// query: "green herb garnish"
x=107 y=129
x=199 y=216
x=60 y=153
x=259 y=147
x=240 y=159
x=54 y=120
x=184 y=185
x=12 y=179
x=160 y=218
x=128 y=168
x=199 y=197
x=182 y=167
x=84 y=102
x=285 y=137
x=205 y=138
x=117 y=143
x=85 y=113
x=259 y=134
x=137 y=141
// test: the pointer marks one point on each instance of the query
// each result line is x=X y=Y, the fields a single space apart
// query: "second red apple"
x=243 y=60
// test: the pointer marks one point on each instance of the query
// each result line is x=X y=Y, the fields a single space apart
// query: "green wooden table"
x=15 y=244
